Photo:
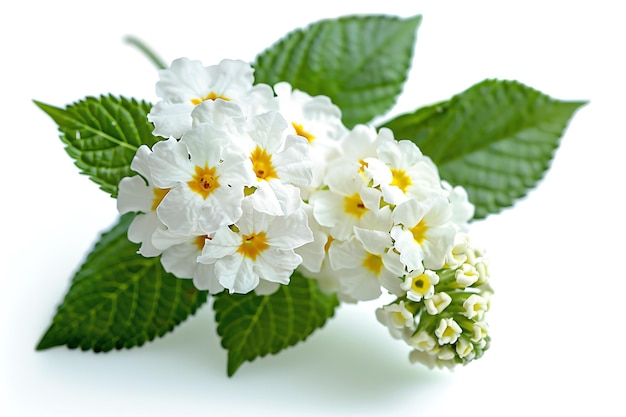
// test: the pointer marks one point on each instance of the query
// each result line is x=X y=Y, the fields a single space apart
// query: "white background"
x=557 y=257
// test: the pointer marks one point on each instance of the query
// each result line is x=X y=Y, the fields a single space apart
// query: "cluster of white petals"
x=251 y=182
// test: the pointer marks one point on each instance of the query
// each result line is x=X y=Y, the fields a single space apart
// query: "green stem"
x=149 y=53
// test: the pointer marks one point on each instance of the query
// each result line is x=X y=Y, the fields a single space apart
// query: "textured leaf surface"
x=119 y=299
x=102 y=135
x=496 y=139
x=252 y=325
x=360 y=62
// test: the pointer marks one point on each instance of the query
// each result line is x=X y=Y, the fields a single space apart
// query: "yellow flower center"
x=398 y=318
x=419 y=231
x=204 y=181
x=159 y=195
x=210 y=96
x=420 y=284
x=199 y=241
x=329 y=241
x=354 y=205
x=400 y=179
x=262 y=164
x=253 y=244
x=301 y=132
x=449 y=332
x=374 y=263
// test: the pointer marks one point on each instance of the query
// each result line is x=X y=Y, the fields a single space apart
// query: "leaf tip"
x=233 y=364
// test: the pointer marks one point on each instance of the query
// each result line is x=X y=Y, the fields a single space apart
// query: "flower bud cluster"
x=442 y=314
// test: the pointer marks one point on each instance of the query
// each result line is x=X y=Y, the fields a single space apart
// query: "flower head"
x=257 y=247
x=186 y=84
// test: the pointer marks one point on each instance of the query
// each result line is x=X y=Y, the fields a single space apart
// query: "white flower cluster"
x=252 y=181
x=441 y=315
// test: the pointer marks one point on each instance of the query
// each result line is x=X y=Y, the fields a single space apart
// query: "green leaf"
x=496 y=139
x=102 y=136
x=251 y=325
x=360 y=62
x=119 y=299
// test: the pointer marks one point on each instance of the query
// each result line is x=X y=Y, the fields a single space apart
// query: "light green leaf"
x=119 y=299
x=496 y=139
x=360 y=62
x=252 y=325
x=102 y=135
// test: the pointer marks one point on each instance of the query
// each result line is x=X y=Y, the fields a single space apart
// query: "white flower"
x=480 y=330
x=317 y=120
x=420 y=284
x=187 y=83
x=446 y=353
x=448 y=331
x=422 y=341
x=206 y=176
x=423 y=233
x=365 y=265
x=349 y=202
x=397 y=319
x=459 y=252
x=279 y=165
x=138 y=194
x=466 y=275
x=181 y=260
x=437 y=303
x=464 y=348
x=475 y=306
x=462 y=208
x=257 y=247
x=403 y=172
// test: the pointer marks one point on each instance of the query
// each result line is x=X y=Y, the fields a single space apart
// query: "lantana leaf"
x=119 y=299
x=496 y=139
x=252 y=325
x=360 y=62
x=102 y=135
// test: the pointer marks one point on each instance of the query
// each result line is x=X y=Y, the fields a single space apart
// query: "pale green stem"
x=148 y=52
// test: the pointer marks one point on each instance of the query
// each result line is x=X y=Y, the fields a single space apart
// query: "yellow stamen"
x=362 y=166
x=400 y=179
x=301 y=132
x=159 y=195
x=419 y=231
x=211 y=96
x=204 y=181
x=354 y=205
x=374 y=263
x=253 y=244
x=262 y=164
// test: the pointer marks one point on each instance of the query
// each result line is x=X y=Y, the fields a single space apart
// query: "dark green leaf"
x=102 y=136
x=360 y=62
x=496 y=139
x=119 y=299
x=252 y=325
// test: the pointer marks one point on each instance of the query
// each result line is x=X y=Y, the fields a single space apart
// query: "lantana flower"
x=205 y=174
x=423 y=233
x=187 y=83
x=257 y=247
